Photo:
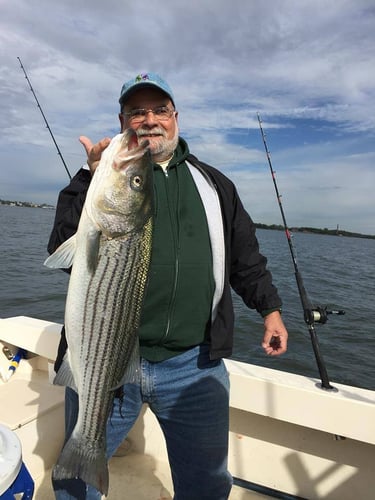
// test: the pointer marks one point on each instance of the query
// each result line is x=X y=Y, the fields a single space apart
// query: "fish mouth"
x=135 y=147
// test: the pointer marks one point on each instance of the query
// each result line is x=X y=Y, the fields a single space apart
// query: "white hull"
x=286 y=433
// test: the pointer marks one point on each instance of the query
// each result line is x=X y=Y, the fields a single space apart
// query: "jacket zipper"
x=177 y=261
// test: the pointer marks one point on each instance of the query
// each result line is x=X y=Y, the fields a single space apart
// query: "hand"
x=275 y=338
x=94 y=151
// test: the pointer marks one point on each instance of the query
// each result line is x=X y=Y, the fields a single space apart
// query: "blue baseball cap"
x=144 y=80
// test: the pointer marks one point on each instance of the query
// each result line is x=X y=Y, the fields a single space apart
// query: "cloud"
x=308 y=67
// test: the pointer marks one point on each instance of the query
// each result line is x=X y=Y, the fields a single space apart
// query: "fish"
x=110 y=256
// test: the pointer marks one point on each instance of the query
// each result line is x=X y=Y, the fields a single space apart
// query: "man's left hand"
x=275 y=340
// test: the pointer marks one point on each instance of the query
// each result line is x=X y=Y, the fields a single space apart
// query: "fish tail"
x=80 y=459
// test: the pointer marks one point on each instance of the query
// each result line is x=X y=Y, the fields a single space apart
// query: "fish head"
x=124 y=197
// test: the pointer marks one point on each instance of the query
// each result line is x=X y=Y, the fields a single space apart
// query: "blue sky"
x=307 y=66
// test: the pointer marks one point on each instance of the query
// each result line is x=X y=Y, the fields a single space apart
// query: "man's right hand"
x=94 y=151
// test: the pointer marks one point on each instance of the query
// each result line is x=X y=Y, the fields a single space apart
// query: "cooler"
x=14 y=476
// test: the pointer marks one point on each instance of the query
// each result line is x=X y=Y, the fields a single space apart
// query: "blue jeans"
x=189 y=394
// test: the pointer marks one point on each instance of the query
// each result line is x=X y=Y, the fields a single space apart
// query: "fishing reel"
x=320 y=314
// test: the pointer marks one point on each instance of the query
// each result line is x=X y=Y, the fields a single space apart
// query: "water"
x=27 y=287
x=338 y=272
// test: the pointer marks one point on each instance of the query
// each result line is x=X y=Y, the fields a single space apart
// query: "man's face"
x=162 y=134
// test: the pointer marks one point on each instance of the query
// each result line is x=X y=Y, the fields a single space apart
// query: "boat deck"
x=285 y=432
x=140 y=477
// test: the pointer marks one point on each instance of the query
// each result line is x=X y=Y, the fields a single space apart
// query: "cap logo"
x=141 y=77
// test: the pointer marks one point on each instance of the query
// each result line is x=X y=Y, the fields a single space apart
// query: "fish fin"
x=64 y=376
x=92 y=249
x=63 y=257
x=83 y=459
x=132 y=374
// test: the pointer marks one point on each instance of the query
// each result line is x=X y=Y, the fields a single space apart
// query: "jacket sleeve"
x=68 y=211
x=249 y=276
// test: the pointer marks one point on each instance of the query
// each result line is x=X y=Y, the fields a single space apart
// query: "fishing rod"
x=45 y=119
x=312 y=315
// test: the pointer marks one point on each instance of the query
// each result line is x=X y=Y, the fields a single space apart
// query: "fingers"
x=87 y=144
x=94 y=151
x=275 y=346
x=275 y=340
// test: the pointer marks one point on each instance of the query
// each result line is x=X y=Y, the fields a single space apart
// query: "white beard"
x=161 y=148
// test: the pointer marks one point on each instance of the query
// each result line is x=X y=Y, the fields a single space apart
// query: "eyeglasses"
x=161 y=113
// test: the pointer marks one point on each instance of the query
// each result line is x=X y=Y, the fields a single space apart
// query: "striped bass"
x=110 y=255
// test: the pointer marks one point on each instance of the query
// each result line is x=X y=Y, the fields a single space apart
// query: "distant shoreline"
x=313 y=230
x=276 y=227
x=27 y=204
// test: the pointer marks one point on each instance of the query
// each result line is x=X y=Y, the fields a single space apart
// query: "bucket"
x=14 y=477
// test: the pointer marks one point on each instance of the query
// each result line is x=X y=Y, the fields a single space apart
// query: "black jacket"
x=245 y=269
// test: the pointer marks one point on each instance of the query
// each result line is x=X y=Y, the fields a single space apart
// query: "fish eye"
x=136 y=182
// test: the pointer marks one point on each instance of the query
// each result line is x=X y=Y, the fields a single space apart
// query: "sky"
x=306 y=66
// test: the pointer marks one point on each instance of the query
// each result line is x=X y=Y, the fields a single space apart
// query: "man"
x=204 y=243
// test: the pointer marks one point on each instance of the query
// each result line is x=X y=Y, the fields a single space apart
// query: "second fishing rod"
x=312 y=315
x=44 y=118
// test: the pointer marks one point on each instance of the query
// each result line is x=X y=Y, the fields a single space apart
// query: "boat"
x=289 y=438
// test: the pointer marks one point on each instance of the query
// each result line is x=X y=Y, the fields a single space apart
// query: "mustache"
x=142 y=131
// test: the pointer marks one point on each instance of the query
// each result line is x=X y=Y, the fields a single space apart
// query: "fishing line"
x=311 y=314
x=45 y=119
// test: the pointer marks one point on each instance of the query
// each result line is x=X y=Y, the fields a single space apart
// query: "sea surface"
x=338 y=272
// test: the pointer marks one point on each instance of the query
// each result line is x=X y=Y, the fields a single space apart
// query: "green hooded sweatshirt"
x=177 y=306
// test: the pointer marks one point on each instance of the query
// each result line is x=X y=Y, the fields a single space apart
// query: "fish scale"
x=129 y=286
